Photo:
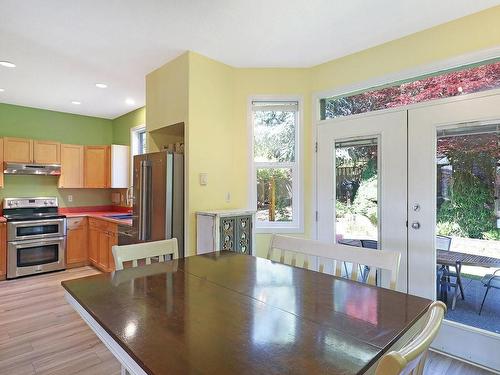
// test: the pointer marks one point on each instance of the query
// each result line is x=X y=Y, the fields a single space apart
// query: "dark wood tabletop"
x=450 y=258
x=226 y=313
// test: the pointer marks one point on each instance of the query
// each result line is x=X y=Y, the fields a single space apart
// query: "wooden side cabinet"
x=46 y=152
x=3 y=251
x=18 y=150
x=103 y=235
x=77 y=242
x=72 y=159
x=97 y=167
x=225 y=230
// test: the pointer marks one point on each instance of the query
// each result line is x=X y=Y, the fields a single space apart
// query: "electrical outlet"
x=228 y=197
x=70 y=198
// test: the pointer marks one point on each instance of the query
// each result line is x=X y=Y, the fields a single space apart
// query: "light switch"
x=203 y=179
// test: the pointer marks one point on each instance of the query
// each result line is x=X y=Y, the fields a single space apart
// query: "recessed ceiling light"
x=76 y=102
x=2 y=90
x=7 y=64
x=130 y=101
x=460 y=89
x=101 y=85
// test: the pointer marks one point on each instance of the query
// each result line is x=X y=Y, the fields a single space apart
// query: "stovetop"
x=24 y=209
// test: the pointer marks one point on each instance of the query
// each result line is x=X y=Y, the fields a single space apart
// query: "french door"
x=361 y=168
x=388 y=177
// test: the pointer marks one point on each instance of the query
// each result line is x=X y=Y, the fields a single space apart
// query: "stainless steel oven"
x=35 y=229
x=36 y=236
x=35 y=256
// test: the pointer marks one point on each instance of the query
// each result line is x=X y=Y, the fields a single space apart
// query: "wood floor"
x=41 y=334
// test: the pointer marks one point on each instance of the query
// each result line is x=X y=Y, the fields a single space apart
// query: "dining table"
x=229 y=313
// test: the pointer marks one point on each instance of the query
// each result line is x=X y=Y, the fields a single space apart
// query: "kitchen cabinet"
x=96 y=167
x=1 y=162
x=120 y=167
x=72 y=160
x=18 y=150
x=103 y=235
x=46 y=152
x=3 y=251
x=225 y=230
x=77 y=242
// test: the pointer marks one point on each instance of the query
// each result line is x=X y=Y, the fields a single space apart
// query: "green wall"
x=123 y=124
x=26 y=122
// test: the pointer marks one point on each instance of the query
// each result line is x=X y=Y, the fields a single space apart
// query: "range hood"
x=32 y=169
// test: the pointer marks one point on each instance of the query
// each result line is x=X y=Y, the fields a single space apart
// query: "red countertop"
x=99 y=212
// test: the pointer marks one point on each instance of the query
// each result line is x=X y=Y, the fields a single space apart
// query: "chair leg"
x=484 y=298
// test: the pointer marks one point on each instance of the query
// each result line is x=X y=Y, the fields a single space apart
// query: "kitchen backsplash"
x=32 y=186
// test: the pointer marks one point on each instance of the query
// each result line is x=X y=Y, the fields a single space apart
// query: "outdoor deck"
x=466 y=311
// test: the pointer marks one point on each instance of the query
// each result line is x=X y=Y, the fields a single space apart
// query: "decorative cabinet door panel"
x=243 y=234
x=227 y=233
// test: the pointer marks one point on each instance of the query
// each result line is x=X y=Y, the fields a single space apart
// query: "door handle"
x=415 y=225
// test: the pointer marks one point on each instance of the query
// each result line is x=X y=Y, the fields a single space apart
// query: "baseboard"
x=464 y=361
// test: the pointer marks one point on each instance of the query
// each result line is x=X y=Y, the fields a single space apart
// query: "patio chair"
x=490 y=281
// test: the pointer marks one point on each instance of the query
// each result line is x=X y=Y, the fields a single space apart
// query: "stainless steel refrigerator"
x=159 y=198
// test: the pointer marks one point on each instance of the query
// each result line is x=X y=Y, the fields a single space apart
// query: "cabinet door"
x=3 y=250
x=1 y=162
x=243 y=235
x=76 y=241
x=96 y=167
x=93 y=243
x=103 y=247
x=71 y=166
x=18 y=150
x=227 y=233
x=46 y=152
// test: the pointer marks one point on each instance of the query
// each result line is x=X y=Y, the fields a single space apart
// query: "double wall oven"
x=36 y=236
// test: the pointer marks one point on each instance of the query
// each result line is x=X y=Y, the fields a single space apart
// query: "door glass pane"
x=356 y=195
x=468 y=221
x=274 y=194
x=37 y=230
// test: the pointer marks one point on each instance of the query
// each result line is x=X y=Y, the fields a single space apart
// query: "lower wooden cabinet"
x=77 y=242
x=102 y=236
x=3 y=251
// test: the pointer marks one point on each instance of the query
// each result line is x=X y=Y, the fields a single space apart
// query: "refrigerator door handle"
x=145 y=198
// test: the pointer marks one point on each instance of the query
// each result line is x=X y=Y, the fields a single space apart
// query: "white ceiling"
x=63 y=47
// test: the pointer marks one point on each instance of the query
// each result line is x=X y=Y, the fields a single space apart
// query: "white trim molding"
x=297 y=225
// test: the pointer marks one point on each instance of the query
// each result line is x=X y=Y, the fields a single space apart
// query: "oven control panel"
x=30 y=202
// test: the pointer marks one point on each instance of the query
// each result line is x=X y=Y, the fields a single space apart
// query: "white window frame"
x=297 y=223
x=134 y=132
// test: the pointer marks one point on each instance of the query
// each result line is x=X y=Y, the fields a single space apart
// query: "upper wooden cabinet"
x=18 y=150
x=72 y=160
x=97 y=167
x=46 y=152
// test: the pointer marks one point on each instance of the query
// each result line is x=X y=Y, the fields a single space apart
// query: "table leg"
x=459 y=279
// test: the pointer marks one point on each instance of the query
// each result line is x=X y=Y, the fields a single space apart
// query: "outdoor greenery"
x=283 y=191
x=469 y=210
x=274 y=135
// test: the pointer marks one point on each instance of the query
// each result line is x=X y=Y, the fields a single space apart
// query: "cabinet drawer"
x=102 y=225
x=75 y=222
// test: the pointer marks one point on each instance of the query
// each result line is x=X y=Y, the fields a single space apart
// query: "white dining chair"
x=321 y=257
x=163 y=250
x=410 y=360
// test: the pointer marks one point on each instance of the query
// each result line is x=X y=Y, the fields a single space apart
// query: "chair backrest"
x=164 y=250
x=318 y=256
x=443 y=243
x=411 y=358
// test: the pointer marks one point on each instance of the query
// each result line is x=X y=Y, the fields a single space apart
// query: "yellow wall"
x=214 y=98
x=476 y=32
x=167 y=94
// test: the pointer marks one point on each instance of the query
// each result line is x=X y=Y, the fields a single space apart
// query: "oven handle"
x=40 y=241
x=31 y=223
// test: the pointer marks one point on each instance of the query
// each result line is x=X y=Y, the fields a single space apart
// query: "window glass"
x=444 y=85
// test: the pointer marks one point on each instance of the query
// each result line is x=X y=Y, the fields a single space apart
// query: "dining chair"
x=163 y=250
x=410 y=360
x=320 y=256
